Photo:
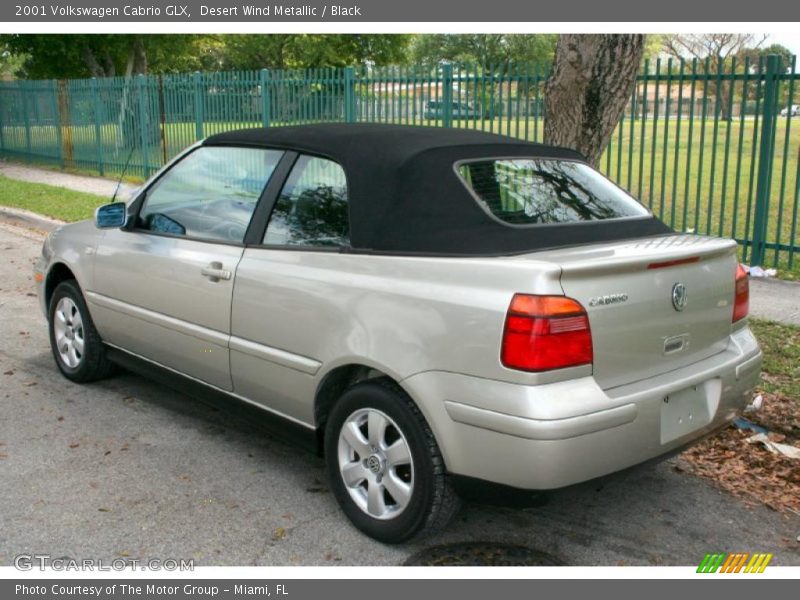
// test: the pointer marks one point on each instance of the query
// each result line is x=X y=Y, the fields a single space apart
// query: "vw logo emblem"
x=679 y=296
x=374 y=464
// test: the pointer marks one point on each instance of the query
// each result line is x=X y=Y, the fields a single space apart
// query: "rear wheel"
x=384 y=465
x=77 y=347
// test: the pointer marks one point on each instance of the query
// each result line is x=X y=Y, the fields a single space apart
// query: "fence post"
x=199 y=106
x=54 y=90
x=26 y=120
x=349 y=95
x=65 y=123
x=764 y=177
x=162 y=120
x=265 y=97
x=98 y=136
x=3 y=91
x=447 y=95
x=143 y=124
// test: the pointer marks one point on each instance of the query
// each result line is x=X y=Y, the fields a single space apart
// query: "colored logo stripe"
x=758 y=563
x=711 y=563
x=734 y=563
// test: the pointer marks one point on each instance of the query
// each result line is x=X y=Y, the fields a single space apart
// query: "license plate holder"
x=684 y=411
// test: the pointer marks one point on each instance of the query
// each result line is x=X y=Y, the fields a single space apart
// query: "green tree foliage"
x=100 y=55
x=754 y=54
x=284 y=51
x=10 y=63
x=73 y=56
x=485 y=50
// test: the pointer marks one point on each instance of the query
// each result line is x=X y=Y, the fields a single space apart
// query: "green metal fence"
x=706 y=148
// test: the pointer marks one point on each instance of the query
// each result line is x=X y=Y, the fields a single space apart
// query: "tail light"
x=546 y=332
x=741 y=296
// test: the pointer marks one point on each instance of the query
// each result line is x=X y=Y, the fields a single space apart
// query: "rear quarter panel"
x=401 y=315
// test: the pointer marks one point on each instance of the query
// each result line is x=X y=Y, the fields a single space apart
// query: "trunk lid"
x=627 y=288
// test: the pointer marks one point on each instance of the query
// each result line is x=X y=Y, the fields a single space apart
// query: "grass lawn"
x=781 y=370
x=56 y=202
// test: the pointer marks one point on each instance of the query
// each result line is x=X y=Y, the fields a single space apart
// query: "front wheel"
x=77 y=347
x=384 y=465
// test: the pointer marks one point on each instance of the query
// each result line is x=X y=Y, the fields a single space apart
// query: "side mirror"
x=111 y=216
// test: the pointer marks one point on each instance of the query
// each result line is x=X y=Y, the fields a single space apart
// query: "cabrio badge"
x=679 y=298
x=608 y=299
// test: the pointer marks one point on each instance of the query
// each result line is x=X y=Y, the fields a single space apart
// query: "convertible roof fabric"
x=405 y=195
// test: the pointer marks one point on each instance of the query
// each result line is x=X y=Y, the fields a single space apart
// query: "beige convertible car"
x=433 y=306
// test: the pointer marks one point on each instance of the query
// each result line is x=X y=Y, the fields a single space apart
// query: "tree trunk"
x=91 y=63
x=139 y=56
x=591 y=82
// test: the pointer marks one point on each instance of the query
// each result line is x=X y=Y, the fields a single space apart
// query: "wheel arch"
x=57 y=273
x=337 y=379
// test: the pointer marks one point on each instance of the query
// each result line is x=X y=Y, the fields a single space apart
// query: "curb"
x=30 y=220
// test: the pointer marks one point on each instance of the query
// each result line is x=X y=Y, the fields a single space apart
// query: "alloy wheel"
x=375 y=463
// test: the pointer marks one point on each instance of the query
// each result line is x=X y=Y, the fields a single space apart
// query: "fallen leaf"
x=73 y=446
x=103 y=509
x=279 y=533
x=60 y=419
x=9 y=372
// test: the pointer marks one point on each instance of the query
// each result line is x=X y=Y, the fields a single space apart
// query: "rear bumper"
x=559 y=434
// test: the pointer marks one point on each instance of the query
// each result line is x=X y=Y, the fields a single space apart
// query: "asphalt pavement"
x=129 y=468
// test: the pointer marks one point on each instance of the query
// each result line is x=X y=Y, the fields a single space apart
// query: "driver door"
x=164 y=283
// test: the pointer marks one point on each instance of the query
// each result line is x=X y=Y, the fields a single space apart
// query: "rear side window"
x=312 y=208
x=524 y=191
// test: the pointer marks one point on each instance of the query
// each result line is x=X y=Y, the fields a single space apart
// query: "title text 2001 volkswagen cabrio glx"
x=433 y=304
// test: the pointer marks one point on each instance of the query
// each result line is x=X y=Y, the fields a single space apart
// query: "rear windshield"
x=523 y=191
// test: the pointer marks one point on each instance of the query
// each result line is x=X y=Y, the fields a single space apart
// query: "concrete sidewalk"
x=101 y=186
x=775 y=300
x=771 y=299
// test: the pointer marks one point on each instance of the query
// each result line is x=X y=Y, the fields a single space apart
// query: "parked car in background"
x=434 y=110
x=793 y=110
x=434 y=306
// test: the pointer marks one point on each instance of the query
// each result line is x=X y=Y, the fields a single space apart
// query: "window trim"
x=138 y=203
x=482 y=204
x=273 y=200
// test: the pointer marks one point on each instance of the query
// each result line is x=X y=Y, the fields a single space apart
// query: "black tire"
x=433 y=501
x=93 y=363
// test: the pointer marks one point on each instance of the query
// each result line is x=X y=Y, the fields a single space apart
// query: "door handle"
x=215 y=272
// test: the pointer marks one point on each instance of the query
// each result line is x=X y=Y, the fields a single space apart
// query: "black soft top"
x=406 y=196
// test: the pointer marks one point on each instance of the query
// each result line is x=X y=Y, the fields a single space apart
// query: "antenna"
x=124 y=169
